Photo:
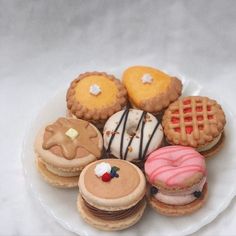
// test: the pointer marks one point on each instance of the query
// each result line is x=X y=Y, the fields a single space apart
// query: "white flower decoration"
x=147 y=79
x=102 y=168
x=95 y=89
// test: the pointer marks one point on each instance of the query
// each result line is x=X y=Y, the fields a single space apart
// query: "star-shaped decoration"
x=59 y=137
x=146 y=79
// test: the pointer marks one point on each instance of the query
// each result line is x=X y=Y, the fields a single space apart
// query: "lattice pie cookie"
x=197 y=122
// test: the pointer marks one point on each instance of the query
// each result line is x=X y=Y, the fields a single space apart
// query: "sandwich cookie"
x=177 y=178
x=95 y=96
x=149 y=89
x=111 y=194
x=132 y=134
x=64 y=148
x=197 y=122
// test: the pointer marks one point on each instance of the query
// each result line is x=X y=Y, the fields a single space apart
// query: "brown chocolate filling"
x=114 y=215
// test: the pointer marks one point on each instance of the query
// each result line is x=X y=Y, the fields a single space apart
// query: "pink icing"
x=172 y=165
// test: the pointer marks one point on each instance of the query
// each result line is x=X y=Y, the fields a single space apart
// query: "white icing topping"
x=72 y=133
x=209 y=145
x=147 y=79
x=95 y=89
x=102 y=168
x=183 y=198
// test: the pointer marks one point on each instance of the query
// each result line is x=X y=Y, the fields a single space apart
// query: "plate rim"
x=68 y=226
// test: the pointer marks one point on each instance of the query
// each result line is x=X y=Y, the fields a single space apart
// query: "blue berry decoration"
x=197 y=194
x=113 y=172
x=153 y=190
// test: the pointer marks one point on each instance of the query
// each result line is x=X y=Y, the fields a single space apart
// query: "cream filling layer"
x=185 y=197
x=209 y=145
x=62 y=173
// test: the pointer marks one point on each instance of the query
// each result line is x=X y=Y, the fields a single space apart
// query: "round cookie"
x=132 y=134
x=112 y=194
x=197 y=122
x=178 y=181
x=64 y=148
x=150 y=89
x=95 y=96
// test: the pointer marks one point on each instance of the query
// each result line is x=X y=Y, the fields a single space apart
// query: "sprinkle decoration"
x=106 y=171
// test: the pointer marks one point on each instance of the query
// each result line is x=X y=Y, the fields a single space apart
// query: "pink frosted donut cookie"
x=177 y=177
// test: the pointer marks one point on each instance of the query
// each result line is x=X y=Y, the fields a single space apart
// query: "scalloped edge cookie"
x=198 y=137
x=95 y=115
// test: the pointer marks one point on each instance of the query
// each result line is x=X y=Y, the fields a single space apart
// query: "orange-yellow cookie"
x=64 y=148
x=95 y=96
x=150 y=89
x=197 y=122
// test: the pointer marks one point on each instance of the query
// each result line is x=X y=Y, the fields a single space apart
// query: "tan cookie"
x=64 y=148
x=112 y=194
x=195 y=121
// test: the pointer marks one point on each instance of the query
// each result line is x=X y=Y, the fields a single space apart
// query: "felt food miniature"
x=149 y=89
x=197 y=122
x=111 y=194
x=177 y=180
x=95 y=96
x=64 y=148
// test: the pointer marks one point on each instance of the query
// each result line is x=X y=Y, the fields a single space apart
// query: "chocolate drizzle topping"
x=114 y=215
x=132 y=137
x=113 y=134
x=142 y=153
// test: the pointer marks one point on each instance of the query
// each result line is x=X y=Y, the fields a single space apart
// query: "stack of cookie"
x=152 y=142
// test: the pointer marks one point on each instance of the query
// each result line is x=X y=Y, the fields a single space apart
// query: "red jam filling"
x=198 y=109
x=210 y=117
x=177 y=129
x=175 y=120
x=199 y=118
x=187 y=119
x=187 y=110
x=189 y=129
x=200 y=127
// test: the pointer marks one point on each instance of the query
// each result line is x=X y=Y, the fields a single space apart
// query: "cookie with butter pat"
x=64 y=148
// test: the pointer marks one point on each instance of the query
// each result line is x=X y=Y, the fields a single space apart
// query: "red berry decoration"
x=106 y=177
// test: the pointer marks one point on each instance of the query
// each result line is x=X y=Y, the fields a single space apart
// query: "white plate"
x=61 y=204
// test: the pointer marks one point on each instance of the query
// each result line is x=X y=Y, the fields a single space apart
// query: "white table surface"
x=44 y=44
